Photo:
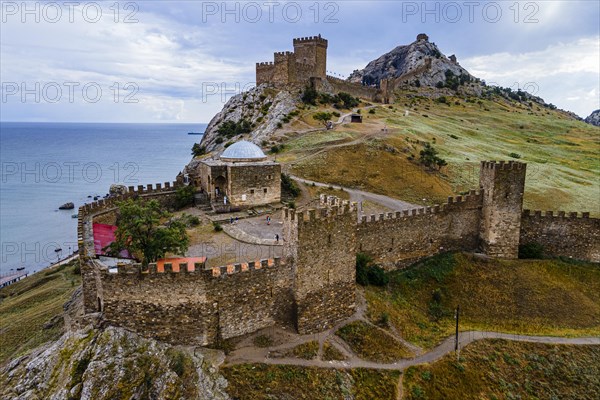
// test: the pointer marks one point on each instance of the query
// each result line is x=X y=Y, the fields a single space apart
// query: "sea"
x=45 y=165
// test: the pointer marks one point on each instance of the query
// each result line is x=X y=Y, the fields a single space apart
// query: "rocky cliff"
x=112 y=364
x=420 y=63
x=593 y=118
x=253 y=115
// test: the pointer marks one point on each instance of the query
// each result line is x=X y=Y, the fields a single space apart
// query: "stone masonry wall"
x=503 y=185
x=198 y=306
x=324 y=269
x=252 y=180
x=562 y=234
x=402 y=238
x=103 y=211
x=355 y=89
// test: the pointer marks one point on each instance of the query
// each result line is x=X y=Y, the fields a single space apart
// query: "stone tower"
x=322 y=246
x=503 y=184
x=312 y=51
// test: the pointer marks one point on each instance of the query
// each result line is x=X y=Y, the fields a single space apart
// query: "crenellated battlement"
x=265 y=64
x=558 y=214
x=196 y=268
x=231 y=269
x=319 y=213
x=505 y=165
x=133 y=191
x=311 y=39
x=473 y=199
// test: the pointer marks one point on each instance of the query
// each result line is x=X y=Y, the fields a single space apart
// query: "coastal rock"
x=67 y=206
x=108 y=364
x=117 y=189
x=593 y=118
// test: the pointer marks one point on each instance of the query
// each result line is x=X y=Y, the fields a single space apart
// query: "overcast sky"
x=169 y=61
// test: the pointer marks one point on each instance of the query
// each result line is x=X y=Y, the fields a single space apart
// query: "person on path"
x=277 y=238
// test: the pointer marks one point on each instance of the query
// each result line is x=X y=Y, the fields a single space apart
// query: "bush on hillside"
x=369 y=274
x=531 y=251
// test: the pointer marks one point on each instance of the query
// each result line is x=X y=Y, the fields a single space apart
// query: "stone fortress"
x=312 y=286
x=307 y=66
x=241 y=177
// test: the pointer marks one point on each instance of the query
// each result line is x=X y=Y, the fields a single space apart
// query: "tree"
x=323 y=116
x=140 y=230
x=429 y=157
x=184 y=196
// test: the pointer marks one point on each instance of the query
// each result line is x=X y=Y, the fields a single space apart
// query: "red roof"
x=103 y=236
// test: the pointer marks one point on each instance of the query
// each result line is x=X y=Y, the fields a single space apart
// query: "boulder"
x=67 y=206
x=117 y=189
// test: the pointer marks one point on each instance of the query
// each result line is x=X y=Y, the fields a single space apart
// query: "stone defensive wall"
x=563 y=234
x=103 y=211
x=404 y=237
x=324 y=266
x=195 y=305
x=366 y=92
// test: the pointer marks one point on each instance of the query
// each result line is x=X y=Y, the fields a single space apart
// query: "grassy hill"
x=537 y=297
x=382 y=153
x=32 y=309
x=498 y=369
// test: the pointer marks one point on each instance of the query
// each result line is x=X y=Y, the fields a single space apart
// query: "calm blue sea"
x=45 y=165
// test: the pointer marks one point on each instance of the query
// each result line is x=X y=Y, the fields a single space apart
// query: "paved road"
x=360 y=195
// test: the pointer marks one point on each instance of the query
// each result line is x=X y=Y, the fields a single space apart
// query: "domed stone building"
x=241 y=177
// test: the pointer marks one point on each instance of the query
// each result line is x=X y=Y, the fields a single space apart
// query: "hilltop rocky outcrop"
x=419 y=63
x=593 y=118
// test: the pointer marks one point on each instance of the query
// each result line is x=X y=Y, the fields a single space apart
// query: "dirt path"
x=438 y=352
x=247 y=353
x=360 y=196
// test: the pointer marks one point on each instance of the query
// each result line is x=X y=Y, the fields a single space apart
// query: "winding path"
x=275 y=355
x=360 y=195
x=435 y=354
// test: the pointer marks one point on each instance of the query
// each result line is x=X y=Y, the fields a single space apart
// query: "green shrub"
x=217 y=227
x=369 y=274
x=198 y=150
x=310 y=95
x=288 y=185
x=515 y=155
x=531 y=250
x=372 y=111
x=184 y=196
x=229 y=129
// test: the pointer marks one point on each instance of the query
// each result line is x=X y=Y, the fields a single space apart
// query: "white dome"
x=243 y=151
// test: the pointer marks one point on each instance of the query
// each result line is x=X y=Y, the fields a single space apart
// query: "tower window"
x=265 y=190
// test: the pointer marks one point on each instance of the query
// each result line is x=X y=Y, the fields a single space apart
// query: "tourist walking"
x=277 y=238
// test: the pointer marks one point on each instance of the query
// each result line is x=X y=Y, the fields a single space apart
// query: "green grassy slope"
x=538 y=297
x=562 y=153
x=31 y=310
x=497 y=369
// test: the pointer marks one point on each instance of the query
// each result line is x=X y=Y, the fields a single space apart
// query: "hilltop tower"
x=312 y=51
x=323 y=249
x=308 y=61
x=503 y=185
